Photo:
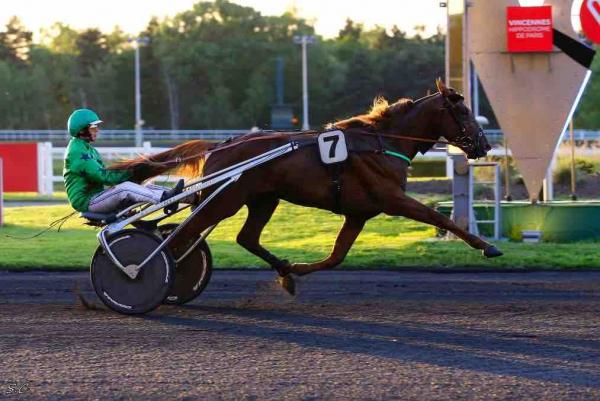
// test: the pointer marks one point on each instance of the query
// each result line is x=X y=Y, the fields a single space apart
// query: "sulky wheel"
x=148 y=289
x=192 y=274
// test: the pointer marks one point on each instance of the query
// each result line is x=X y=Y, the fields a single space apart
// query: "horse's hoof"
x=283 y=267
x=288 y=284
x=491 y=252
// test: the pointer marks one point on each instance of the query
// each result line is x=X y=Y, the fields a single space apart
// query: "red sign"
x=590 y=19
x=529 y=29
x=20 y=165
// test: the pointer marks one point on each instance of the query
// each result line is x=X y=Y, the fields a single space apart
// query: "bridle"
x=463 y=140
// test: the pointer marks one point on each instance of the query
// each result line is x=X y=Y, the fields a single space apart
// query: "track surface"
x=346 y=335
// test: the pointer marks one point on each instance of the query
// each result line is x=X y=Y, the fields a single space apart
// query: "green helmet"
x=80 y=119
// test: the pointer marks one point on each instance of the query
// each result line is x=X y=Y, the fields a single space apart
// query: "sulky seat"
x=99 y=218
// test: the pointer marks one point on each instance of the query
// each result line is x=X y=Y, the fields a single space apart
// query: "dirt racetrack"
x=346 y=335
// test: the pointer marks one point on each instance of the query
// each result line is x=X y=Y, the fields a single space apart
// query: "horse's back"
x=300 y=176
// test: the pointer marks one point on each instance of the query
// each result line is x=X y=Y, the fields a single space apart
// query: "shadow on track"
x=489 y=351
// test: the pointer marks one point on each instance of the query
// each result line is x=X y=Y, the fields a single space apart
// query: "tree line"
x=212 y=67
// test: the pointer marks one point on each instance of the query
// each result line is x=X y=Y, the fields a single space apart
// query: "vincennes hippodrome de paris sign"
x=529 y=29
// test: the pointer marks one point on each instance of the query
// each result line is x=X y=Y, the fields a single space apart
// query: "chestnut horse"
x=372 y=180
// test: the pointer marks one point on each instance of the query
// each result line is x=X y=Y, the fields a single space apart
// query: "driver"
x=86 y=177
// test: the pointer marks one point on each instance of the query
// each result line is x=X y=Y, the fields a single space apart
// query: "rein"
x=412 y=138
x=461 y=141
x=223 y=146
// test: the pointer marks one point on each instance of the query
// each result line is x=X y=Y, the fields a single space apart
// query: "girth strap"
x=335 y=171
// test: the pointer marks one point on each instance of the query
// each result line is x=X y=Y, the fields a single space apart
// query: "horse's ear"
x=441 y=87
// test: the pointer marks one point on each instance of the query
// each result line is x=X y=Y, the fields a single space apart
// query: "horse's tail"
x=186 y=159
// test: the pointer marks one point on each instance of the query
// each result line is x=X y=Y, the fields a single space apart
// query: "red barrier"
x=1 y=195
x=20 y=166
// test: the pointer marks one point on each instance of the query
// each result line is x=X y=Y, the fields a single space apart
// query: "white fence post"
x=49 y=169
x=548 y=183
x=449 y=167
x=45 y=173
x=40 y=168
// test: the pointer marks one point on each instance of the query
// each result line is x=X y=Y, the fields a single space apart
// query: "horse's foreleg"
x=350 y=230
x=259 y=214
x=413 y=209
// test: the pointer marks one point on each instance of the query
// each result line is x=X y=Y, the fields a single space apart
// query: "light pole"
x=138 y=92
x=304 y=40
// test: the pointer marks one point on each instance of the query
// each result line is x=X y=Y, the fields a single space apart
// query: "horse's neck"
x=415 y=124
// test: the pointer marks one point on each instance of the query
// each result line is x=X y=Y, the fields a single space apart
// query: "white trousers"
x=123 y=195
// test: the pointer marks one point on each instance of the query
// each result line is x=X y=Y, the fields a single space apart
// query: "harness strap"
x=380 y=141
x=412 y=138
x=398 y=155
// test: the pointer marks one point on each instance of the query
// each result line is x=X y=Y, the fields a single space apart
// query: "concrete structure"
x=533 y=94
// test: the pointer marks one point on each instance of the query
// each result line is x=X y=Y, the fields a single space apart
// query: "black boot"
x=176 y=190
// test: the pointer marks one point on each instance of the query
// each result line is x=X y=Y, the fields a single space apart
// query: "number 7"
x=334 y=139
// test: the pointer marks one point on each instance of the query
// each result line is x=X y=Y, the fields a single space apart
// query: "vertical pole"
x=475 y=86
x=138 y=97
x=498 y=205
x=548 y=183
x=472 y=218
x=279 y=81
x=573 y=175
x=458 y=76
x=507 y=194
x=305 y=124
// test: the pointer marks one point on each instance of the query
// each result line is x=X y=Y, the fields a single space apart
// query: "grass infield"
x=295 y=233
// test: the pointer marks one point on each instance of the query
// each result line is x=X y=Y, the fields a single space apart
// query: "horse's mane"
x=378 y=117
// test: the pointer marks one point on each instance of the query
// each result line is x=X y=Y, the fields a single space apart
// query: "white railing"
x=493 y=135
x=48 y=155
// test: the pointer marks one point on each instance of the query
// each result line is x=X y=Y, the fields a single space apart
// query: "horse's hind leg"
x=260 y=212
x=350 y=230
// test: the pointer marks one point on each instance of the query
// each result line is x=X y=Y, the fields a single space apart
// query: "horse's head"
x=458 y=124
